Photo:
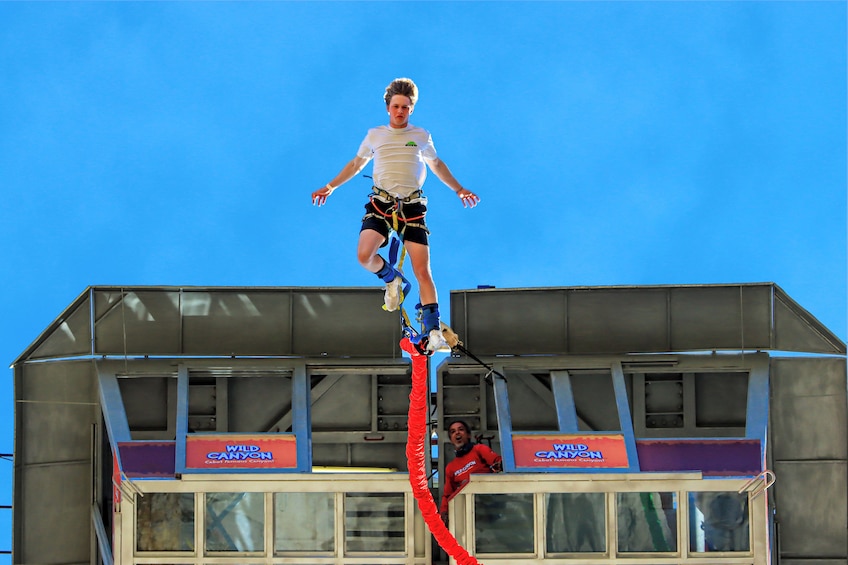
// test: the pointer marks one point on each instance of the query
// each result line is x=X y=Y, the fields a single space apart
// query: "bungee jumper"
x=397 y=205
x=395 y=214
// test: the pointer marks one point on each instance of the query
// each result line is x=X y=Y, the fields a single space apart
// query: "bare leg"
x=369 y=243
x=419 y=254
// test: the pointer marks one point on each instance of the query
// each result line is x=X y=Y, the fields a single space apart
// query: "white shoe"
x=392 y=298
x=436 y=342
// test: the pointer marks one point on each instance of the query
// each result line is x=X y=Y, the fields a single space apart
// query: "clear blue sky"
x=612 y=143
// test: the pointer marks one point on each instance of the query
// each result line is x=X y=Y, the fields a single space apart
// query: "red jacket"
x=479 y=460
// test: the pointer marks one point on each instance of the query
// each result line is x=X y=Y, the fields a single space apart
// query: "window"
x=503 y=523
x=165 y=522
x=303 y=521
x=235 y=521
x=374 y=522
x=647 y=521
x=718 y=521
x=575 y=522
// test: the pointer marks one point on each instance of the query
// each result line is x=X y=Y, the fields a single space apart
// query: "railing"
x=321 y=518
x=610 y=519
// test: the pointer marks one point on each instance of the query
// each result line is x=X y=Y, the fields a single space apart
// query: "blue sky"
x=612 y=143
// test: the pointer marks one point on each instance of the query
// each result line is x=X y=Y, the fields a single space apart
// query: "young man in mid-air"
x=400 y=152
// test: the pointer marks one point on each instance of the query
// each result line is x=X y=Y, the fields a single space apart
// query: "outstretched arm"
x=492 y=459
x=441 y=170
x=319 y=197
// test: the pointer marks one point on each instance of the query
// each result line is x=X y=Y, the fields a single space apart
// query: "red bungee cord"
x=416 y=441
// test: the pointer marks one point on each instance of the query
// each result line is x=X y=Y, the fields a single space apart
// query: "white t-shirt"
x=399 y=154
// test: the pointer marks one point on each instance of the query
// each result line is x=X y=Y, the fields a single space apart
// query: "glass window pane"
x=503 y=523
x=165 y=521
x=647 y=521
x=575 y=522
x=303 y=521
x=374 y=522
x=718 y=521
x=235 y=521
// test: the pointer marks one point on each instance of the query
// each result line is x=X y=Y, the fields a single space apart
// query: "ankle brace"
x=430 y=317
x=387 y=273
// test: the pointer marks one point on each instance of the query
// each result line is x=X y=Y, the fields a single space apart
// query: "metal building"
x=638 y=425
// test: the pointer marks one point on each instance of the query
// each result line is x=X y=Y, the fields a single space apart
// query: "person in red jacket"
x=470 y=458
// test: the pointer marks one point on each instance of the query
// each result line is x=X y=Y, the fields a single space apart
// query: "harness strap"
x=410 y=224
x=387 y=197
x=395 y=212
x=406 y=225
x=397 y=254
x=397 y=264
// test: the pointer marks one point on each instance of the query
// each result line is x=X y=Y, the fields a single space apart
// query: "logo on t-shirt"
x=411 y=144
x=465 y=468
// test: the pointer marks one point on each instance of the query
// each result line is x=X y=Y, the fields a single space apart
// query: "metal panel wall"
x=618 y=320
x=68 y=335
x=797 y=330
x=298 y=322
x=132 y=321
x=55 y=416
x=809 y=443
x=349 y=321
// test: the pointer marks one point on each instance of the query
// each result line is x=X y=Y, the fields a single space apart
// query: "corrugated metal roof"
x=636 y=319
x=216 y=321
x=301 y=321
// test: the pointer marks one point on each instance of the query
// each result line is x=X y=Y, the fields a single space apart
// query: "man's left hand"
x=469 y=199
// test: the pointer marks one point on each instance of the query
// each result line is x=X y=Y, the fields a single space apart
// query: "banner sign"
x=234 y=451
x=728 y=457
x=570 y=451
x=147 y=459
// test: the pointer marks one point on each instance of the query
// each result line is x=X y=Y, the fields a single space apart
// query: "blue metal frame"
x=624 y=417
x=112 y=405
x=104 y=544
x=564 y=400
x=302 y=418
x=300 y=425
x=567 y=422
x=504 y=421
x=757 y=409
x=182 y=418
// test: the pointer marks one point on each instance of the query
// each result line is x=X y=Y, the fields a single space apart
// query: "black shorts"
x=410 y=217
